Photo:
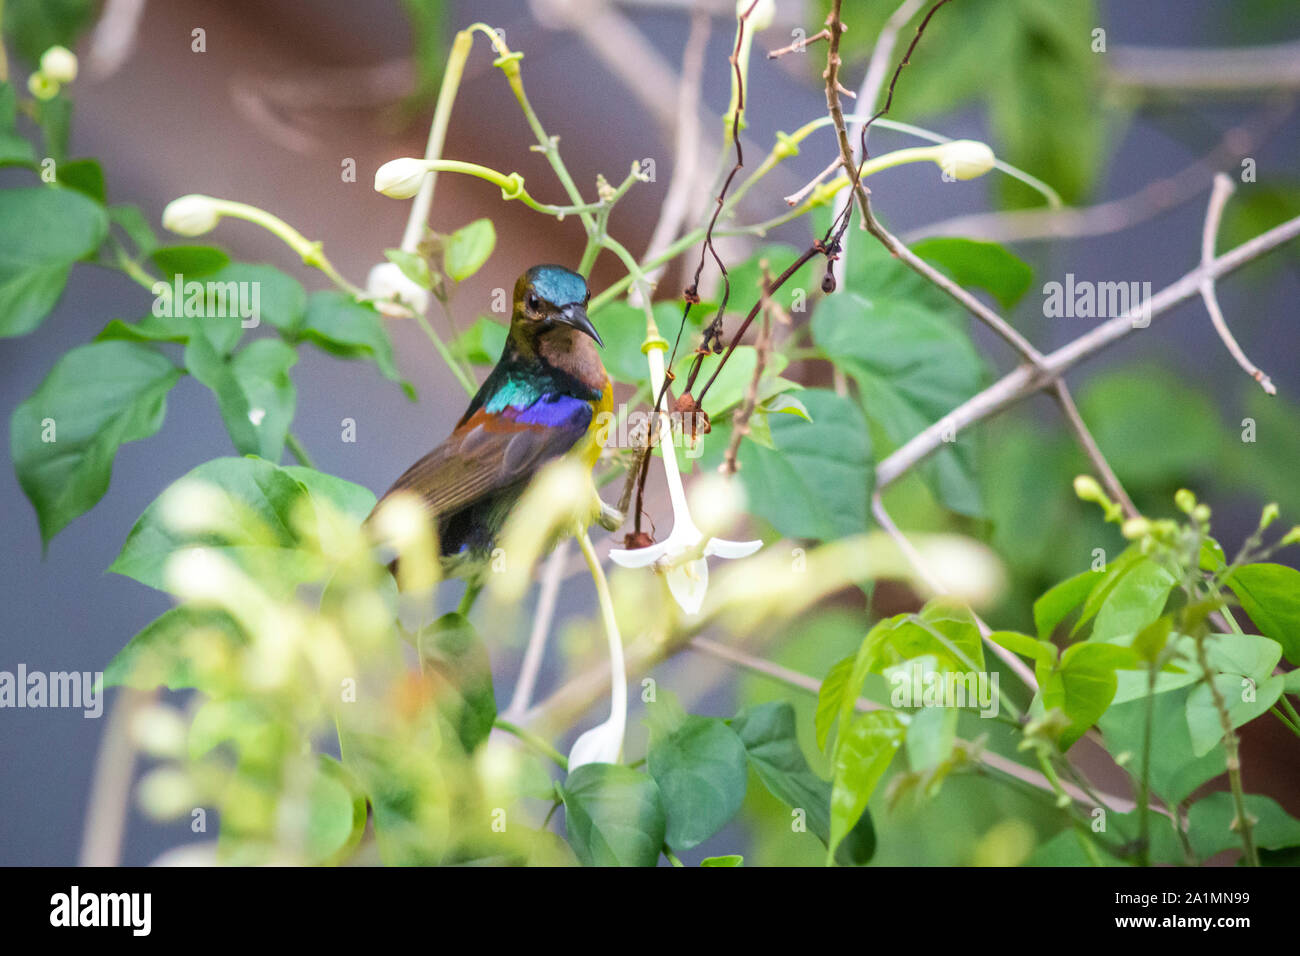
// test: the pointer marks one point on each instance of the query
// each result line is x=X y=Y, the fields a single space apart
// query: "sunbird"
x=544 y=399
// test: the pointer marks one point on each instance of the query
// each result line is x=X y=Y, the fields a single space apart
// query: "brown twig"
x=798 y=46
x=740 y=421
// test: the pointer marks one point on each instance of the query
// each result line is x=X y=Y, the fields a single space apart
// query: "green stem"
x=508 y=62
x=462 y=376
x=1144 y=782
x=1233 y=757
x=671 y=858
x=534 y=741
x=299 y=452
x=1286 y=721
x=472 y=591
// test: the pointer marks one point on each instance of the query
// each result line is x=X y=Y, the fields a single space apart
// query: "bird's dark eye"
x=534 y=304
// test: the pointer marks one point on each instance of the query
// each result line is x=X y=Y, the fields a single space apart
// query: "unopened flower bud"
x=401 y=178
x=1185 y=500
x=1135 y=528
x=1087 y=489
x=59 y=64
x=191 y=215
x=42 y=87
x=1268 y=515
x=388 y=284
x=965 y=158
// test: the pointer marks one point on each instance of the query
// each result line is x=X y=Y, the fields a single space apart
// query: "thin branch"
x=799 y=46
x=1025 y=380
x=1223 y=188
x=1089 y=444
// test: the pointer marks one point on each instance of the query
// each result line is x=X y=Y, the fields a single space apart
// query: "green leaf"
x=1137 y=599
x=1175 y=770
x=342 y=326
x=132 y=221
x=701 y=771
x=1245 y=699
x=63 y=439
x=862 y=755
x=1211 y=824
x=1270 y=594
x=261 y=541
x=274 y=295
x=452 y=651
x=768 y=733
x=930 y=737
x=86 y=176
x=1083 y=685
x=985 y=265
x=253 y=389
x=43 y=232
x=614 y=816
x=1041 y=652
x=1058 y=601
x=466 y=249
x=912 y=366
x=817 y=481
x=415 y=267
x=354 y=501
x=623 y=330
x=336 y=813
x=731 y=859
x=188 y=261
x=482 y=343
x=15 y=150
x=830 y=695
x=160 y=655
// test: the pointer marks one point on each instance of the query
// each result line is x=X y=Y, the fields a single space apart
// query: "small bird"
x=543 y=399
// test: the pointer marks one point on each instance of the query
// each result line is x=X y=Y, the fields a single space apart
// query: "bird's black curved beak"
x=575 y=316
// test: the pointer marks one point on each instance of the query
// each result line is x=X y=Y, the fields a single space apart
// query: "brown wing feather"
x=483 y=455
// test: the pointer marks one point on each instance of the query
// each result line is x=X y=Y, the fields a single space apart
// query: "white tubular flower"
x=682 y=555
x=191 y=215
x=401 y=178
x=59 y=64
x=604 y=742
x=388 y=284
x=965 y=158
x=601 y=744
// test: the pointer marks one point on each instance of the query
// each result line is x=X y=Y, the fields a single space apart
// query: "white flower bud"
x=964 y=158
x=387 y=282
x=59 y=64
x=191 y=215
x=401 y=178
